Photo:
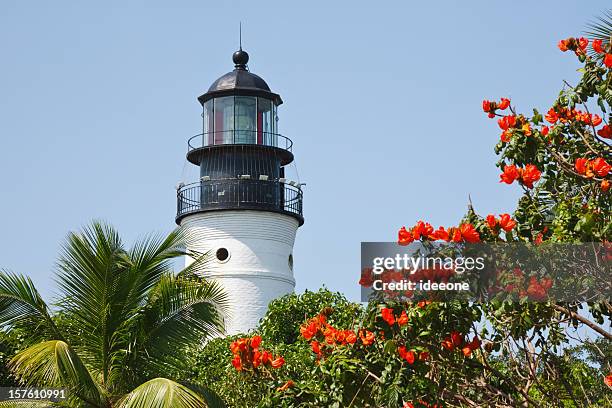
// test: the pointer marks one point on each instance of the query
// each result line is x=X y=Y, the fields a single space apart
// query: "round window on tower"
x=291 y=261
x=222 y=255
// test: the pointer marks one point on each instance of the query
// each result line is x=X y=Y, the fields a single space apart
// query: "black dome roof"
x=240 y=81
x=239 y=78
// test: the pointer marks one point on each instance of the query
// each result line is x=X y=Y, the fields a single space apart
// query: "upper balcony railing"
x=196 y=144
x=250 y=137
x=246 y=194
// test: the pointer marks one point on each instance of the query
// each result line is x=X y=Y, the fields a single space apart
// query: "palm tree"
x=122 y=323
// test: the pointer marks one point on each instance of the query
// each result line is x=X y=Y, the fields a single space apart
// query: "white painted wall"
x=257 y=271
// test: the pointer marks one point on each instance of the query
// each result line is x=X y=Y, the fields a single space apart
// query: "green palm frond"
x=92 y=280
x=162 y=393
x=55 y=364
x=182 y=311
x=21 y=304
x=600 y=29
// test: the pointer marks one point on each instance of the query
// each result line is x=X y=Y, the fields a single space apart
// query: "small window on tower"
x=222 y=254
x=291 y=261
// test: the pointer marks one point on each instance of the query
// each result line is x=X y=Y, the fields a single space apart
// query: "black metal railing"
x=250 y=137
x=270 y=195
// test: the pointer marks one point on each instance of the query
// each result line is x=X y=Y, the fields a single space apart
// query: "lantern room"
x=239 y=108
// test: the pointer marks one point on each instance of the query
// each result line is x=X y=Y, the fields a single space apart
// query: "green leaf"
x=163 y=393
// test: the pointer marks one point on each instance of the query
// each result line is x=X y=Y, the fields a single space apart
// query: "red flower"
x=277 y=362
x=285 y=386
x=608 y=60
x=505 y=102
x=404 y=237
x=486 y=105
x=530 y=175
x=506 y=222
x=507 y=122
x=388 y=316
x=408 y=405
x=563 y=45
x=255 y=341
x=469 y=233
x=466 y=351
x=551 y=116
x=581 y=165
x=605 y=185
x=605 y=132
x=510 y=174
x=595 y=120
x=600 y=167
x=583 y=43
x=256 y=358
x=237 y=363
x=367 y=338
x=423 y=355
x=351 y=337
x=409 y=357
x=456 y=338
x=448 y=344
x=403 y=319
x=491 y=221
x=608 y=380
x=544 y=130
x=597 y=46
x=316 y=347
x=441 y=233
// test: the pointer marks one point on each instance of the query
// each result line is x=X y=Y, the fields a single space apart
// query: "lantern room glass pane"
x=208 y=126
x=264 y=122
x=245 y=119
x=224 y=120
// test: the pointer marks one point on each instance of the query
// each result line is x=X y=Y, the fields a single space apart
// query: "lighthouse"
x=242 y=211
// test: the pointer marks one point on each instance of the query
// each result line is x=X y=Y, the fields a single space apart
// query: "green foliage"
x=122 y=316
x=295 y=309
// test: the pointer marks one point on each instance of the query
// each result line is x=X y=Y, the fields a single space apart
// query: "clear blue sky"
x=382 y=101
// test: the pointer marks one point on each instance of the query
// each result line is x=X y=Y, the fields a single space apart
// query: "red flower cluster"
x=578 y=45
x=325 y=337
x=424 y=230
x=529 y=175
x=248 y=355
x=491 y=106
x=456 y=340
x=410 y=355
x=537 y=290
x=605 y=132
x=505 y=222
x=564 y=114
x=591 y=168
x=388 y=316
x=598 y=47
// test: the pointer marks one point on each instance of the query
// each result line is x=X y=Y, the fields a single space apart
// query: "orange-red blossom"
x=246 y=354
x=591 y=168
x=528 y=175
x=424 y=230
x=505 y=222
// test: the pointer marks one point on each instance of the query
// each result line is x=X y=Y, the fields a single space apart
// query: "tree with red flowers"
x=496 y=354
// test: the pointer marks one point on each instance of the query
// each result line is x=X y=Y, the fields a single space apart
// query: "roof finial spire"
x=241 y=58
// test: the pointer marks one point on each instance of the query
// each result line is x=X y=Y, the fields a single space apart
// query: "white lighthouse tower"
x=242 y=210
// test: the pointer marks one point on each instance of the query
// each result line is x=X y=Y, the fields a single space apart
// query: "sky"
x=382 y=101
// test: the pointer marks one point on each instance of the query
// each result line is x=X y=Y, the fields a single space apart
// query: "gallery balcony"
x=240 y=194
